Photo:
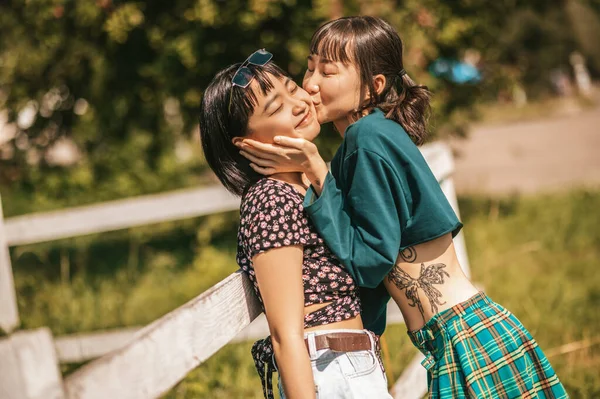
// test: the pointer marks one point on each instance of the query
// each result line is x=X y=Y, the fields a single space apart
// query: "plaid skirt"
x=478 y=349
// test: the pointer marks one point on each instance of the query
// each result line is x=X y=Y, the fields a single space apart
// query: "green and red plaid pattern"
x=478 y=349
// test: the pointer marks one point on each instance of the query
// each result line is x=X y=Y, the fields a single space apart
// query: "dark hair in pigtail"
x=408 y=104
x=375 y=48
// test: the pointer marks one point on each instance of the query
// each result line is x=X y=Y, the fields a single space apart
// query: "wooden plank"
x=9 y=314
x=28 y=366
x=412 y=384
x=394 y=315
x=166 y=350
x=115 y=215
x=258 y=329
x=82 y=347
x=77 y=348
x=156 y=208
x=459 y=241
x=85 y=346
x=439 y=158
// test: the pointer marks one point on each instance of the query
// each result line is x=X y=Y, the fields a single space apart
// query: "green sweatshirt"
x=380 y=198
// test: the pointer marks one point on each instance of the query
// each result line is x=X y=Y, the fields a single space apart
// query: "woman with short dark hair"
x=317 y=340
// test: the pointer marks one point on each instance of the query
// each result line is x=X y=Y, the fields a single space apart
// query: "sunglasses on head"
x=243 y=76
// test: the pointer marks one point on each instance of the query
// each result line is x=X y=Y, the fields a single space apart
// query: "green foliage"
x=539 y=258
x=122 y=81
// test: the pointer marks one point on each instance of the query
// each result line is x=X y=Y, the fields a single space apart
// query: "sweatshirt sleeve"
x=362 y=228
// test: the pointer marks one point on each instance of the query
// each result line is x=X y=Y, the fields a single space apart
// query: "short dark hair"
x=220 y=123
x=375 y=48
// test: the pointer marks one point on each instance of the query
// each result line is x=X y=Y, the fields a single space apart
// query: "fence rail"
x=166 y=350
x=139 y=211
x=120 y=214
x=146 y=362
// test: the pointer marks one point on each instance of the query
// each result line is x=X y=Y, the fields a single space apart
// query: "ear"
x=379 y=82
x=237 y=140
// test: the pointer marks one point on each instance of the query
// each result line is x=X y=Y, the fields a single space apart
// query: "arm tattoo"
x=409 y=254
x=432 y=274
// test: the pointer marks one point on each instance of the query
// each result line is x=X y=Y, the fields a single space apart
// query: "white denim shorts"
x=345 y=375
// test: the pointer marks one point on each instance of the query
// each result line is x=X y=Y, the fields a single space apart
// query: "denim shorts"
x=345 y=375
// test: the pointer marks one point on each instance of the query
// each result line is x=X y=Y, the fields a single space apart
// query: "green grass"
x=538 y=256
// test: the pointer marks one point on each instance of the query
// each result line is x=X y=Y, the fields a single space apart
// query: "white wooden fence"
x=147 y=362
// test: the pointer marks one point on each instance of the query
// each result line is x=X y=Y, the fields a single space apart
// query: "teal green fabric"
x=379 y=198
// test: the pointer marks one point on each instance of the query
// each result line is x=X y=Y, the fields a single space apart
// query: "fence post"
x=412 y=384
x=459 y=241
x=29 y=367
x=9 y=315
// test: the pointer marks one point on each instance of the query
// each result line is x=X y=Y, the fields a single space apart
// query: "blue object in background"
x=455 y=71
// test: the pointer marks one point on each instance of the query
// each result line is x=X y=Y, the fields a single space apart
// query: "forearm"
x=316 y=171
x=294 y=367
x=367 y=256
x=361 y=224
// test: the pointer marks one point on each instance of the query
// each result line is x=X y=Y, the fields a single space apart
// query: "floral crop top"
x=272 y=216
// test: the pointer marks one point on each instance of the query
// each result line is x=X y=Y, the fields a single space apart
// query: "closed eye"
x=277 y=110
x=292 y=86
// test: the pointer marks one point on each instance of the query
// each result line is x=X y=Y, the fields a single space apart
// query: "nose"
x=299 y=107
x=301 y=101
x=311 y=84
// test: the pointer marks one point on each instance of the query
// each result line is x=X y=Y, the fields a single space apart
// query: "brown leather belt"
x=342 y=342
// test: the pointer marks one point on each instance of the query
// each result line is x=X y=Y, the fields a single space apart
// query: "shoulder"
x=272 y=216
x=373 y=131
x=268 y=195
x=378 y=136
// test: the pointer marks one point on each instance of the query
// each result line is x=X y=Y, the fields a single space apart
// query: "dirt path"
x=553 y=154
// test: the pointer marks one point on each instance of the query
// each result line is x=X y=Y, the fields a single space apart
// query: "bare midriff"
x=426 y=280
x=354 y=323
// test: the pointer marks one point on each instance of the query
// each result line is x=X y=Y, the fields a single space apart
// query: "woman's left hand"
x=286 y=155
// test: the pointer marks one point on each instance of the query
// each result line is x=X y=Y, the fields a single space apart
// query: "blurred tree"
x=99 y=99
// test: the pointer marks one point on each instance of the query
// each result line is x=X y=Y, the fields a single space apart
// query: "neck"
x=290 y=177
x=342 y=124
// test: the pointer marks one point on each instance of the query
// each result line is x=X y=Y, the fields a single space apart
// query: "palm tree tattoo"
x=429 y=275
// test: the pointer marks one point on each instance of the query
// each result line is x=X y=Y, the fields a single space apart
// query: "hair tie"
x=401 y=73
